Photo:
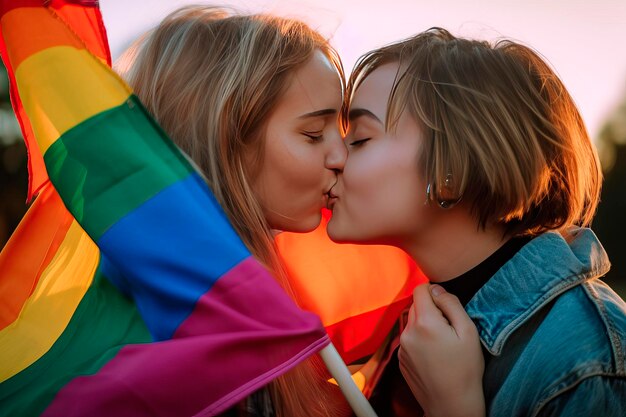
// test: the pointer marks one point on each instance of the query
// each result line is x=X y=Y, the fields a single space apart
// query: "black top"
x=392 y=396
x=466 y=285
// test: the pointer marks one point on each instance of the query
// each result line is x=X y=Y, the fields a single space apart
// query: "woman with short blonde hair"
x=473 y=158
x=500 y=130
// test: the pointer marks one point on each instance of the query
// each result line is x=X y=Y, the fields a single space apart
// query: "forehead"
x=314 y=86
x=373 y=93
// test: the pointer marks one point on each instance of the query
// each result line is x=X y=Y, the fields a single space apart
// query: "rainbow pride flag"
x=75 y=315
x=142 y=299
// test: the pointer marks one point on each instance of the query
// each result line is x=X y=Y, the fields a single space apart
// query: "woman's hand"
x=440 y=355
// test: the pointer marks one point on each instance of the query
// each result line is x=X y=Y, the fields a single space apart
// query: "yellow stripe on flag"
x=62 y=86
x=48 y=311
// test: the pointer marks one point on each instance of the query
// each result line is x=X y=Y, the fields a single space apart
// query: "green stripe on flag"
x=103 y=323
x=111 y=163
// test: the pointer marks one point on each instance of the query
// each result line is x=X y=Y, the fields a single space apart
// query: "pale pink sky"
x=583 y=40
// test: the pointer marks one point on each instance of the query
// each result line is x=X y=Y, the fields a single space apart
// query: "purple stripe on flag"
x=242 y=334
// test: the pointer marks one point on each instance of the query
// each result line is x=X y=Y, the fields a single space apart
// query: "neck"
x=454 y=246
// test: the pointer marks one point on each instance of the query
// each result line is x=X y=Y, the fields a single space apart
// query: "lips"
x=331 y=199
x=330 y=202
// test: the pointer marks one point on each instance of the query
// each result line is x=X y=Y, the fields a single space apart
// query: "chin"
x=336 y=234
x=346 y=234
x=303 y=226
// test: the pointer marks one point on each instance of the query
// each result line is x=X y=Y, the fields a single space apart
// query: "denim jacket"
x=554 y=334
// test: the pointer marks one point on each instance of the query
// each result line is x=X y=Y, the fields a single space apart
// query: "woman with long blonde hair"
x=219 y=84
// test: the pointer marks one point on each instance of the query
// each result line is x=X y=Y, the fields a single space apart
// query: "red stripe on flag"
x=8 y=5
x=361 y=335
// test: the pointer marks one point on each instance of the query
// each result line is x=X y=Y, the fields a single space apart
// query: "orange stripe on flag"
x=87 y=24
x=30 y=30
x=29 y=251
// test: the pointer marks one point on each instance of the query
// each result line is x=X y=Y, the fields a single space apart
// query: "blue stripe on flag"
x=170 y=257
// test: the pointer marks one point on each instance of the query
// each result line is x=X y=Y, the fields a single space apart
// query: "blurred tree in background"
x=610 y=222
x=13 y=168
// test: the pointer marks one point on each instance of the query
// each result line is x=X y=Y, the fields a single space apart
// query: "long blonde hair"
x=211 y=78
x=500 y=130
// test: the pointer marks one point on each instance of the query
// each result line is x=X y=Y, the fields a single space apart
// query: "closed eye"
x=359 y=142
x=314 y=136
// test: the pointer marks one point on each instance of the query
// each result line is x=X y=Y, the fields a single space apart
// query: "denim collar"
x=544 y=268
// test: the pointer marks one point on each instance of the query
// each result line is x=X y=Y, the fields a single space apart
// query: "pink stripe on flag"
x=244 y=332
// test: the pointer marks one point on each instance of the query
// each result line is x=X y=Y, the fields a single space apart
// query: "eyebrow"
x=356 y=113
x=318 y=113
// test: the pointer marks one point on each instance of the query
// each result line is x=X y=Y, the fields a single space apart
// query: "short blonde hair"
x=211 y=78
x=501 y=132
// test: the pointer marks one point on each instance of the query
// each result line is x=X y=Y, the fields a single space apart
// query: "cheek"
x=390 y=194
x=290 y=183
x=382 y=172
x=299 y=170
x=383 y=192
x=295 y=165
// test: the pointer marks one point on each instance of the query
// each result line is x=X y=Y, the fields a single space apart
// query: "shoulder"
x=611 y=309
x=584 y=328
x=578 y=336
x=591 y=319
x=597 y=395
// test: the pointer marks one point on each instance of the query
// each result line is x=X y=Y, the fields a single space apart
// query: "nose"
x=336 y=154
